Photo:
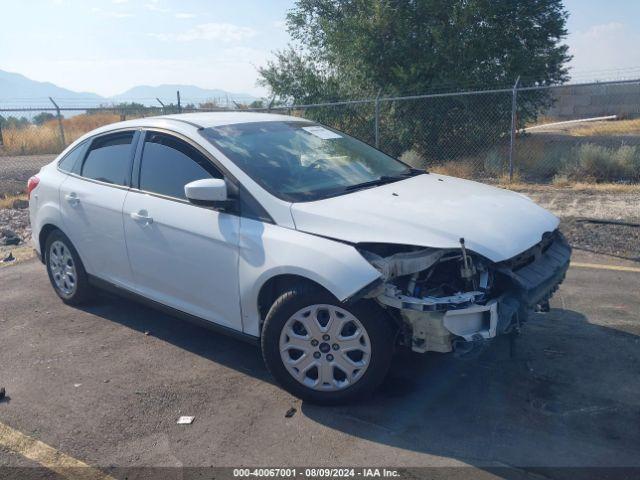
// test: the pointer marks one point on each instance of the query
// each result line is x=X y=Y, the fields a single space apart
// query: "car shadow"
x=566 y=396
x=214 y=346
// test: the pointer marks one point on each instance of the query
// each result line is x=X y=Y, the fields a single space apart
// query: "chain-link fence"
x=588 y=132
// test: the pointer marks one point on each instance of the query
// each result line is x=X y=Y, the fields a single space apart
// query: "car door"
x=91 y=201
x=182 y=255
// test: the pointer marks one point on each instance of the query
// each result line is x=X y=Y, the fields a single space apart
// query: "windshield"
x=302 y=161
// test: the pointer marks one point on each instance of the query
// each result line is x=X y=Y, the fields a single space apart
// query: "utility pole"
x=179 y=106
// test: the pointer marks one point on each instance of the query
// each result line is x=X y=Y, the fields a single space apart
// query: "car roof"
x=204 y=119
x=217 y=119
x=184 y=121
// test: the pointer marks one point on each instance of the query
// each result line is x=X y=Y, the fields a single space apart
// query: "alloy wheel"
x=63 y=269
x=325 y=347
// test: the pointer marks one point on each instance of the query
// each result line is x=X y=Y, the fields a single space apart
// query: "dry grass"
x=461 y=168
x=7 y=202
x=46 y=138
x=458 y=168
x=572 y=186
x=603 y=128
x=505 y=180
x=85 y=123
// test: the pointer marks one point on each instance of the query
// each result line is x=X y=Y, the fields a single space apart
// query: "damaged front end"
x=454 y=299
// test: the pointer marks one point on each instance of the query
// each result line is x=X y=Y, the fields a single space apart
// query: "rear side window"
x=168 y=164
x=109 y=159
x=70 y=159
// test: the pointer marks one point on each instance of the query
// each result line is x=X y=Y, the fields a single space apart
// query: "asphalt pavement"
x=105 y=385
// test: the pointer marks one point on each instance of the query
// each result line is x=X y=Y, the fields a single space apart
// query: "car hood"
x=432 y=211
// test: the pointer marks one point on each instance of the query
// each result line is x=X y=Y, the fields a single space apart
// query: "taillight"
x=31 y=184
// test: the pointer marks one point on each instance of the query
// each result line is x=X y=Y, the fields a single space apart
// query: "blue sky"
x=108 y=46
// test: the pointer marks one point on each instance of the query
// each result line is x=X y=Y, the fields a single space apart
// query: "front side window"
x=109 y=158
x=168 y=164
x=302 y=161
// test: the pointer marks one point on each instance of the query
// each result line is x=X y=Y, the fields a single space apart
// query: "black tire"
x=83 y=291
x=379 y=327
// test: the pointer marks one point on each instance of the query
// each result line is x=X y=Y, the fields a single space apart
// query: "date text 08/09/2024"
x=315 y=472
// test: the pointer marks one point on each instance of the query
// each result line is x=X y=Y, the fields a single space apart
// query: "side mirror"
x=211 y=192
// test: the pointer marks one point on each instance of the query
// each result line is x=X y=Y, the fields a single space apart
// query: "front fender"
x=268 y=250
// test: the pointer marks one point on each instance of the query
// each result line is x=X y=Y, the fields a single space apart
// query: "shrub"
x=540 y=159
x=495 y=163
x=413 y=158
x=591 y=162
x=561 y=180
x=456 y=168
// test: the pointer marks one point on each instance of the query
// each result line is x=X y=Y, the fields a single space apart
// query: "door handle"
x=142 y=217
x=72 y=198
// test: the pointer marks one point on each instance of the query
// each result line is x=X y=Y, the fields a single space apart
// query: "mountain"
x=188 y=94
x=19 y=91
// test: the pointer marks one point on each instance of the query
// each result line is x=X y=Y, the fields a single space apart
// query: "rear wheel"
x=66 y=271
x=324 y=351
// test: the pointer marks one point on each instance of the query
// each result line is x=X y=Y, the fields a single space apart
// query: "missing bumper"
x=497 y=299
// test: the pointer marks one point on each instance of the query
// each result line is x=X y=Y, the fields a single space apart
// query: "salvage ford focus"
x=326 y=251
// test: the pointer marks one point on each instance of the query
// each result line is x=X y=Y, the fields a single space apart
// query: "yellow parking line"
x=598 y=266
x=48 y=457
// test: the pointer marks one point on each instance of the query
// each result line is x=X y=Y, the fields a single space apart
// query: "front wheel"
x=323 y=351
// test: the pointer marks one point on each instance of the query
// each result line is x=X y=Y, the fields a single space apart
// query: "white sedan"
x=326 y=251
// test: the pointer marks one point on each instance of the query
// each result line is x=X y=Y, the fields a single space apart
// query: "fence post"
x=514 y=97
x=160 y=102
x=377 y=120
x=64 y=142
x=179 y=106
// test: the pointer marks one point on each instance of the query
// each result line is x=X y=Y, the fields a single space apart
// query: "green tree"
x=43 y=117
x=358 y=48
x=126 y=108
x=12 y=122
x=257 y=104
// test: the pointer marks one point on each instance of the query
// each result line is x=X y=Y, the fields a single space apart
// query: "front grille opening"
x=529 y=256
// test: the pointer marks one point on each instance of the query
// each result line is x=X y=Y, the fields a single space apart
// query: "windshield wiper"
x=374 y=183
x=384 y=179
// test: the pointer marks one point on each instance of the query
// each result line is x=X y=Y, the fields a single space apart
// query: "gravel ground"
x=618 y=240
x=568 y=203
x=15 y=171
x=16 y=221
x=574 y=208
x=13 y=223
x=615 y=229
